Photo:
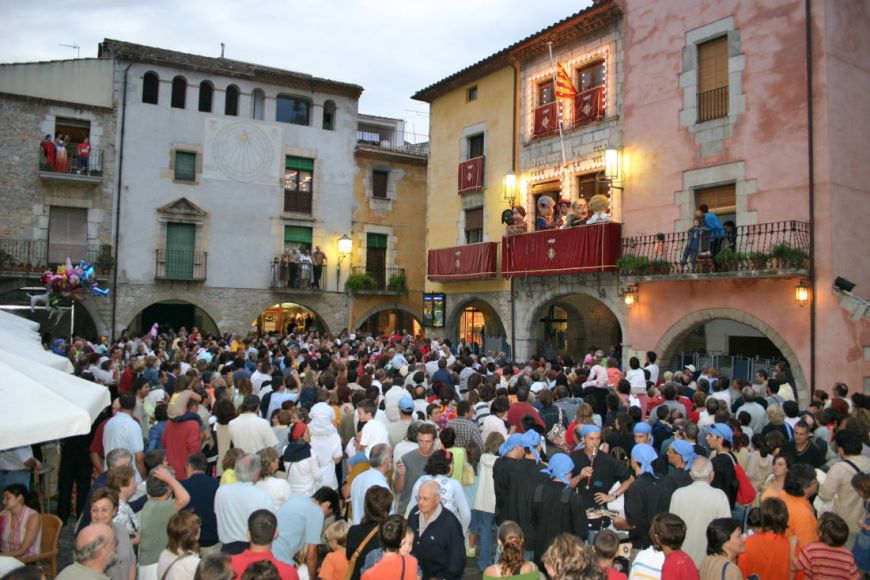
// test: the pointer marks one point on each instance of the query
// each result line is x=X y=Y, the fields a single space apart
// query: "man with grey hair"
x=698 y=504
x=235 y=502
x=438 y=538
x=94 y=549
x=380 y=459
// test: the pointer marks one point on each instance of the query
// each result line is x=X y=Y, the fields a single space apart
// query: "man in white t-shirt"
x=123 y=432
x=652 y=367
x=261 y=375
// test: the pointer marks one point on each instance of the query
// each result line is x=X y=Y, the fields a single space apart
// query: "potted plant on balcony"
x=787 y=256
x=397 y=283
x=758 y=260
x=356 y=283
x=729 y=260
x=104 y=261
x=632 y=265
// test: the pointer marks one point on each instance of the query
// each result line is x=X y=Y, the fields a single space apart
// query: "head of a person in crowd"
x=377 y=504
x=760 y=377
x=247 y=468
x=522 y=394
x=569 y=557
x=833 y=530
x=428 y=497
x=725 y=538
x=642 y=433
x=127 y=403
x=392 y=533
x=667 y=530
x=591 y=436
x=701 y=470
x=262 y=528
x=801 y=481
x=381 y=457
x=720 y=437
x=95 y=547
x=849 y=443
x=681 y=454
x=196 y=463
x=774 y=516
x=791 y=409
x=439 y=463
x=183 y=532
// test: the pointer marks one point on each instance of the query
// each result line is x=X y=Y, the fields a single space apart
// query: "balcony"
x=589 y=106
x=771 y=249
x=75 y=168
x=713 y=104
x=180 y=265
x=546 y=120
x=470 y=262
x=579 y=250
x=392 y=140
x=36 y=256
x=470 y=174
x=368 y=280
x=292 y=276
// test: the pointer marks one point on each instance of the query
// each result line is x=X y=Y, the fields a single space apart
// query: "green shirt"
x=154 y=518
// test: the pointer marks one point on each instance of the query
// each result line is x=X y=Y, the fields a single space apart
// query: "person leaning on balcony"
x=515 y=221
x=717 y=233
x=563 y=209
x=546 y=209
x=579 y=214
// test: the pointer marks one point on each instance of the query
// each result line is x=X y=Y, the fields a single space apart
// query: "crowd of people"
x=390 y=457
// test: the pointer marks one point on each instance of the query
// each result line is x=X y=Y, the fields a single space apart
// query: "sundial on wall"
x=242 y=152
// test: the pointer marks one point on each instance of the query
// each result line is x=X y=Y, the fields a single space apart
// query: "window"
x=67 y=234
x=474 y=225
x=185 y=166
x=150 y=88
x=206 y=94
x=380 y=178
x=179 y=253
x=297 y=237
x=546 y=94
x=179 y=92
x=292 y=110
x=591 y=76
x=475 y=146
x=258 y=104
x=471 y=94
x=231 y=102
x=298 y=175
x=590 y=185
x=713 y=79
x=721 y=200
x=329 y=116
x=376 y=258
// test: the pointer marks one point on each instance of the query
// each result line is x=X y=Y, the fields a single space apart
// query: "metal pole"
x=72 y=320
x=558 y=107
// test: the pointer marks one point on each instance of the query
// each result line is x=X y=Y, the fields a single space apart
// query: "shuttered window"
x=721 y=199
x=297 y=235
x=376 y=241
x=185 y=166
x=713 y=79
x=67 y=234
x=474 y=225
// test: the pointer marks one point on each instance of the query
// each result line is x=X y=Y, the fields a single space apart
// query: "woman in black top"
x=378 y=501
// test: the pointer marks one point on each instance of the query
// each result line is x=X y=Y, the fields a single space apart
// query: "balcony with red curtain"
x=546 y=119
x=471 y=175
x=589 y=106
x=579 y=250
x=470 y=262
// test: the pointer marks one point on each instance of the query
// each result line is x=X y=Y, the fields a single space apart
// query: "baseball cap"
x=406 y=404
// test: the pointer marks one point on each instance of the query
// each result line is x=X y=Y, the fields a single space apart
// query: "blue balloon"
x=97 y=291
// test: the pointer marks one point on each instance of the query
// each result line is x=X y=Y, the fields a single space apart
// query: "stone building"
x=725 y=107
x=57 y=206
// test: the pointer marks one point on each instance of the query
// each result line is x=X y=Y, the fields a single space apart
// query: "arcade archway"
x=572 y=324
x=289 y=317
x=173 y=314
x=387 y=319
x=477 y=322
x=80 y=318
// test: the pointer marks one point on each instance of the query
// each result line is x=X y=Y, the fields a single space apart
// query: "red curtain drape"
x=470 y=262
x=579 y=250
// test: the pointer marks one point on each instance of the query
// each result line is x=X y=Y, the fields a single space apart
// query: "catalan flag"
x=564 y=87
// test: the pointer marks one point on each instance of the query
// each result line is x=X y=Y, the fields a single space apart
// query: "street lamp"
x=630 y=295
x=345 y=247
x=509 y=188
x=802 y=292
x=612 y=166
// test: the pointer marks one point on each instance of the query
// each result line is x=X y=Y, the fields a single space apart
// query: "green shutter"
x=376 y=241
x=185 y=166
x=299 y=163
x=180 y=243
x=297 y=235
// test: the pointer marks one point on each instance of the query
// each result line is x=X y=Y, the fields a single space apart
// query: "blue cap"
x=531 y=440
x=645 y=455
x=722 y=430
x=642 y=429
x=406 y=404
x=560 y=467
x=587 y=429
x=514 y=441
x=686 y=450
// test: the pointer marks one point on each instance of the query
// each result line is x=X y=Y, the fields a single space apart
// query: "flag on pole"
x=564 y=87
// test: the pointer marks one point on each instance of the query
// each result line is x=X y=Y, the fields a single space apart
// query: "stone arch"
x=139 y=310
x=318 y=308
x=667 y=343
x=416 y=313
x=92 y=310
x=451 y=327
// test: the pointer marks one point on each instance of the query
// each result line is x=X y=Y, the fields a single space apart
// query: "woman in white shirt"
x=325 y=442
x=637 y=379
x=180 y=558
x=277 y=488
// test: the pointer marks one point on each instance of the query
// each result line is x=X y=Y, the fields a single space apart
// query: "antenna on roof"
x=222 y=49
x=75 y=46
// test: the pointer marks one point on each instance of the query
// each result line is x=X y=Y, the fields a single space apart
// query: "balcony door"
x=180 y=244
x=67 y=234
x=376 y=258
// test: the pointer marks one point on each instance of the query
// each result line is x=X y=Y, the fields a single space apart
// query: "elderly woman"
x=181 y=557
x=325 y=442
x=20 y=526
x=122 y=479
x=439 y=467
x=104 y=507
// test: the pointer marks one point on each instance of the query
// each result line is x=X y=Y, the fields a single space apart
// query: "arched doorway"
x=75 y=317
x=730 y=340
x=288 y=317
x=572 y=324
x=173 y=314
x=388 y=319
x=476 y=322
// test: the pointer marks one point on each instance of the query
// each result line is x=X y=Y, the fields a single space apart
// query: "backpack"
x=745 y=490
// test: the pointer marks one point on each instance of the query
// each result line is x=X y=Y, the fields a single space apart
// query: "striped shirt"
x=819 y=560
x=647 y=565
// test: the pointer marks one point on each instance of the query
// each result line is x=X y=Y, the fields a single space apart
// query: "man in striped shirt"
x=828 y=558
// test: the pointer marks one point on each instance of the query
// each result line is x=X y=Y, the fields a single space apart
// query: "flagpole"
x=558 y=106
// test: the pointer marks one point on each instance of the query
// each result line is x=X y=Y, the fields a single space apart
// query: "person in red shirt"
x=125 y=384
x=181 y=439
x=84 y=152
x=605 y=547
x=262 y=529
x=667 y=533
x=522 y=408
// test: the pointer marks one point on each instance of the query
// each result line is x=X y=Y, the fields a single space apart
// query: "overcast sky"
x=391 y=47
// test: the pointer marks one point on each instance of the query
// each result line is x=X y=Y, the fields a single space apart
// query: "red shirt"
x=614 y=575
x=679 y=566
x=84 y=150
x=97 y=442
x=125 y=385
x=518 y=411
x=180 y=440
x=241 y=561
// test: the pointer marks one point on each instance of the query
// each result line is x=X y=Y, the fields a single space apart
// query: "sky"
x=393 y=48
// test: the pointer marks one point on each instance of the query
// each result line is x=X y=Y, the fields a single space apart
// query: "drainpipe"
x=117 y=232
x=513 y=166
x=811 y=177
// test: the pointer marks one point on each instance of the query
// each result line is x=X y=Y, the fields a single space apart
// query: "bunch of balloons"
x=76 y=282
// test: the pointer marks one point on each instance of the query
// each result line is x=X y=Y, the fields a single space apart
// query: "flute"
x=591 y=464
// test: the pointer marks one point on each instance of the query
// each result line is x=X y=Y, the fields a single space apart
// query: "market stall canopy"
x=23 y=345
x=8 y=319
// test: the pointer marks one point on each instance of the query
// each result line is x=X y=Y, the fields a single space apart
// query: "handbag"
x=745 y=491
x=351 y=565
x=556 y=435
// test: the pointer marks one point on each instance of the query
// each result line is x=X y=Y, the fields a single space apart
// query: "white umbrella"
x=8 y=319
x=31 y=413
x=92 y=397
x=29 y=349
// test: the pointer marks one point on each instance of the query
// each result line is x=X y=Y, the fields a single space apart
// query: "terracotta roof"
x=600 y=13
x=129 y=51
